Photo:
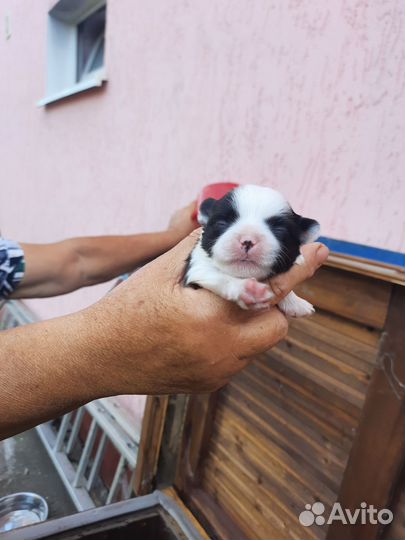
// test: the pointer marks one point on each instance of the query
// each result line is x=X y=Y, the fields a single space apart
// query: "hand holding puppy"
x=169 y=338
x=150 y=335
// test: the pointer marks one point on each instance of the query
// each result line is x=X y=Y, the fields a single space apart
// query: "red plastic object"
x=213 y=191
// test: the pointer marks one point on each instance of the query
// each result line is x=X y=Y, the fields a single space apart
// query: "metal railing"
x=78 y=462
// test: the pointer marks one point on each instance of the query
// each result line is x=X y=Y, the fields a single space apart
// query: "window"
x=90 y=45
x=76 y=43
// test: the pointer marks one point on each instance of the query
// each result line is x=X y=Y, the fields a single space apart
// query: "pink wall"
x=306 y=96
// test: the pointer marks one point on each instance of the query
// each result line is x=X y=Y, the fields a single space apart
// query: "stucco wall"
x=306 y=96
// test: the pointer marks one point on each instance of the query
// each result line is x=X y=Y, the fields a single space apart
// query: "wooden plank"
x=340 y=366
x=381 y=271
x=360 y=340
x=378 y=451
x=284 y=421
x=277 y=423
x=196 y=434
x=171 y=442
x=212 y=516
x=248 y=439
x=396 y=529
x=247 y=511
x=149 y=445
x=283 y=440
x=254 y=511
x=265 y=460
x=358 y=298
x=203 y=410
x=268 y=477
x=349 y=396
x=306 y=395
x=348 y=351
x=271 y=485
x=172 y=493
x=331 y=355
x=314 y=415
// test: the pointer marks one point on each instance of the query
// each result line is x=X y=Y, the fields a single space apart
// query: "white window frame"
x=63 y=21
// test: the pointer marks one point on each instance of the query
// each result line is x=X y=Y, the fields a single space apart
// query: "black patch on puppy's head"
x=205 y=210
x=220 y=215
x=292 y=231
x=310 y=229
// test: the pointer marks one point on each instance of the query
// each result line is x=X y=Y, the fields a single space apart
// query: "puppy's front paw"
x=254 y=295
x=294 y=306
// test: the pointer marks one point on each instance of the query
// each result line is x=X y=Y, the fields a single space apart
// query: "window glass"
x=90 y=43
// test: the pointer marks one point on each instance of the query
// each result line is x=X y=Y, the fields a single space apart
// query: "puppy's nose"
x=247 y=243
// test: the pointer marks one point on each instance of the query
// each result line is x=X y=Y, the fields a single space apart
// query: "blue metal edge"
x=369 y=253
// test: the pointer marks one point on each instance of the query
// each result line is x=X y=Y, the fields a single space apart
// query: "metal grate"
x=81 y=472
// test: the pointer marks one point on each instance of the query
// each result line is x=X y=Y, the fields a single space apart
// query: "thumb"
x=313 y=256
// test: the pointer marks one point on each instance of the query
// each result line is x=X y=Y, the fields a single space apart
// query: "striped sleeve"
x=12 y=266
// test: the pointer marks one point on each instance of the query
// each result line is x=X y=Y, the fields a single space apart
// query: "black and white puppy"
x=249 y=235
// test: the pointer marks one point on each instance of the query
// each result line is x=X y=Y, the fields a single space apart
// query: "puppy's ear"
x=309 y=229
x=205 y=211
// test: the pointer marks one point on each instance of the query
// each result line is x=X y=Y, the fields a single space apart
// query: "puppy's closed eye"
x=277 y=223
x=221 y=223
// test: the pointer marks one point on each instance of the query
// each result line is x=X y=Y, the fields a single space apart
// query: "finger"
x=313 y=256
x=178 y=255
x=191 y=206
x=261 y=332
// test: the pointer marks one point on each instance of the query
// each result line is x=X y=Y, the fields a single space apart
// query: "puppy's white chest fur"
x=250 y=235
x=248 y=293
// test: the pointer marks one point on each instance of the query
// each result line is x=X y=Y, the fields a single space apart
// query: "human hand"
x=182 y=223
x=313 y=256
x=150 y=335
x=155 y=336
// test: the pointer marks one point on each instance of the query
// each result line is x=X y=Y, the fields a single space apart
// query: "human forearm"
x=62 y=267
x=46 y=369
x=54 y=269
x=105 y=257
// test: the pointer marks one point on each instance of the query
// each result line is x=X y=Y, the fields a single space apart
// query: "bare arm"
x=62 y=267
x=114 y=347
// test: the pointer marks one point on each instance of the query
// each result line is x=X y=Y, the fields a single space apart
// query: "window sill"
x=88 y=84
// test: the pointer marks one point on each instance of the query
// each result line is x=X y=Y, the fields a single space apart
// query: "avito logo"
x=314 y=513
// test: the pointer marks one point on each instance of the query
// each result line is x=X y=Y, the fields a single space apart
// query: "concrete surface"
x=26 y=466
